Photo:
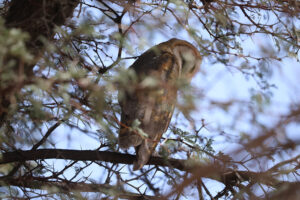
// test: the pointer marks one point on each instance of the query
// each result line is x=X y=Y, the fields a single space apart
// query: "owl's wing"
x=152 y=107
x=132 y=108
x=140 y=103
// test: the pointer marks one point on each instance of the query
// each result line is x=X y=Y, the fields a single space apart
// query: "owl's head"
x=187 y=57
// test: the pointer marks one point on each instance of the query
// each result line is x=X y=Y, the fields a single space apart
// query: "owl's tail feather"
x=128 y=138
x=143 y=154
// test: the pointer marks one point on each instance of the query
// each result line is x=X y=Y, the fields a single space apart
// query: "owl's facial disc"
x=188 y=61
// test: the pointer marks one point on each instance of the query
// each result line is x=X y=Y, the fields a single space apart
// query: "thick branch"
x=227 y=176
x=84 y=155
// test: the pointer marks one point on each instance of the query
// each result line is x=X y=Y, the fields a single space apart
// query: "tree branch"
x=86 y=155
x=67 y=187
x=216 y=172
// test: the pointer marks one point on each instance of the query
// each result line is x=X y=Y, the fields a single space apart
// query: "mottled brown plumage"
x=153 y=106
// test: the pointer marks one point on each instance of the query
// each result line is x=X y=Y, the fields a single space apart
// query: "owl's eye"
x=183 y=63
x=193 y=68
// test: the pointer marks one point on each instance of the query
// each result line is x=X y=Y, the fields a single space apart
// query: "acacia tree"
x=62 y=63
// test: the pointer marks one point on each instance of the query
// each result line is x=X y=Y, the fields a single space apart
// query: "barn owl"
x=152 y=106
